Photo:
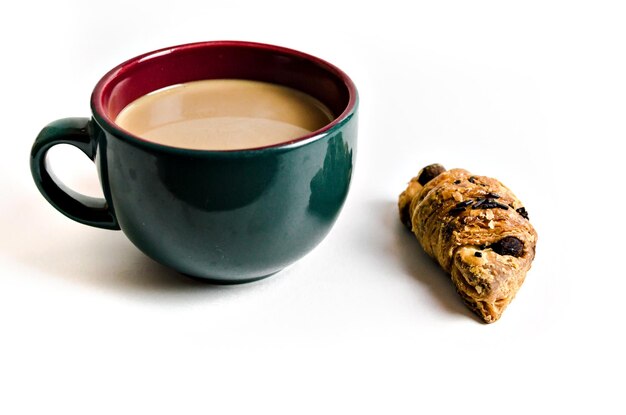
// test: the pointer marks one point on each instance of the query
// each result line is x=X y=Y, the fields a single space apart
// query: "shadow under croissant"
x=425 y=270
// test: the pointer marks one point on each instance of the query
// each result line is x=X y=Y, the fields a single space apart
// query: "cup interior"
x=223 y=60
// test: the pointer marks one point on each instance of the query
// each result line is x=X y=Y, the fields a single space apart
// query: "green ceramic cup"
x=224 y=216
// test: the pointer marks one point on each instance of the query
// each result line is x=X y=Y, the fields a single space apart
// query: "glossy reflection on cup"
x=226 y=216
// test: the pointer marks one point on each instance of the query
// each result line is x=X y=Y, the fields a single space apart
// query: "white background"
x=533 y=93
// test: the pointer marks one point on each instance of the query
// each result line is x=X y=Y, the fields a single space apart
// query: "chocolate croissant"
x=476 y=229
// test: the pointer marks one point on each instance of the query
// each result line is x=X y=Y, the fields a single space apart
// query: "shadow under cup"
x=226 y=216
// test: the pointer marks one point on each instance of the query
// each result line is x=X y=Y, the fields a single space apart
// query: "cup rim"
x=101 y=116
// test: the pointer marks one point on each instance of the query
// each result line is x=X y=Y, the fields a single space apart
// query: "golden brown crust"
x=478 y=232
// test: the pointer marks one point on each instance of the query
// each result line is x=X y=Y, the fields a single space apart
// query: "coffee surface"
x=224 y=114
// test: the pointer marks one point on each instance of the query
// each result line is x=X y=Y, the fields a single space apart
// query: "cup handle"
x=78 y=132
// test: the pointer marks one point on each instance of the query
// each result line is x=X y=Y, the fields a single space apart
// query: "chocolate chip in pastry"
x=476 y=229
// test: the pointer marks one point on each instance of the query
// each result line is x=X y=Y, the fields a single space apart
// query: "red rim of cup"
x=103 y=92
